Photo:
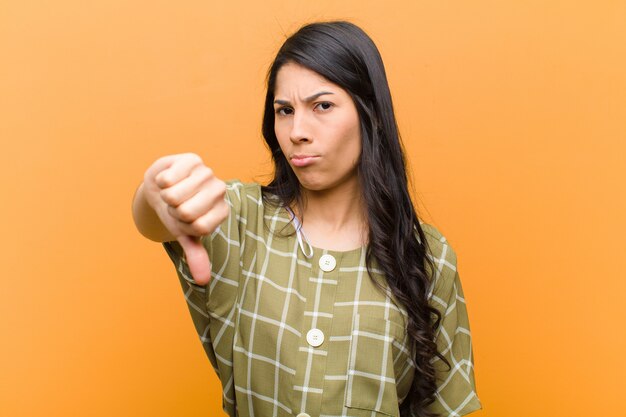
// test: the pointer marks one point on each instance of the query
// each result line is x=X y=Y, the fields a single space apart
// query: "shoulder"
x=439 y=246
x=444 y=258
x=243 y=196
x=235 y=187
x=250 y=205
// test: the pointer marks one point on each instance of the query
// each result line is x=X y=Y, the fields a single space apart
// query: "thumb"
x=197 y=259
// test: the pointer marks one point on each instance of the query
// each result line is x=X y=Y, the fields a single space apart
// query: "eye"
x=325 y=103
x=280 y=112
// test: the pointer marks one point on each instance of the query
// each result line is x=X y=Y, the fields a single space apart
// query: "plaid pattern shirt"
x=295 y=331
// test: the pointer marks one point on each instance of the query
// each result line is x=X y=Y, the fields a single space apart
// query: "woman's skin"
x=182 y=199
x=327 y=127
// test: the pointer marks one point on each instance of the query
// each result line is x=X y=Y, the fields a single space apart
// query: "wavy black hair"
x=345 y=55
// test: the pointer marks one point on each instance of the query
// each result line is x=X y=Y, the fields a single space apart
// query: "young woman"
x=325 y=295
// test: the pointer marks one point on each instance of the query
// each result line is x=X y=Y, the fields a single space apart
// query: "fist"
x=189 y=200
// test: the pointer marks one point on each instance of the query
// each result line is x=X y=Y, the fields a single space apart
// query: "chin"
x=317 y=182
x=313 y=184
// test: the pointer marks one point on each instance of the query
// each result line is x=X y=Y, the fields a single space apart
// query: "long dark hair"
x=344 y=54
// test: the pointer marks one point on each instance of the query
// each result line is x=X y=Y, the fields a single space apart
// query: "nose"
x=300 y=129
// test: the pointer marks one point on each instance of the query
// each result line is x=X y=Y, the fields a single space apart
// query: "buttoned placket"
x=317 y=324
x=321 y=287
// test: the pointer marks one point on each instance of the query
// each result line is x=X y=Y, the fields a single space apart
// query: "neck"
x=337 y=209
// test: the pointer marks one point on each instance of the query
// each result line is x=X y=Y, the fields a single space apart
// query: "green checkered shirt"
x=291 y=335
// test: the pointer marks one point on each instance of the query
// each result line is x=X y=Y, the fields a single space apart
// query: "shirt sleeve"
x=456 y=388
x=223 y=248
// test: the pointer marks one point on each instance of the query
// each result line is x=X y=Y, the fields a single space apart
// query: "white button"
x=303 y=415
x=327 y=263
x=315 y=337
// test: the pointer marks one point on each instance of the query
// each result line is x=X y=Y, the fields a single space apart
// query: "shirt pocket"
x=371 y=382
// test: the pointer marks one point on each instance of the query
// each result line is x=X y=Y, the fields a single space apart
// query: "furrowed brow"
x=306 y=100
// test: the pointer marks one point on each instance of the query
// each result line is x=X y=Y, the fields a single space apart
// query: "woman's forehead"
x=295 y=79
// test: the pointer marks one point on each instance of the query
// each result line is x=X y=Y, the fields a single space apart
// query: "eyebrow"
x=306 y=100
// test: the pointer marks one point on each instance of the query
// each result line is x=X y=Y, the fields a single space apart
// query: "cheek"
x=350 y=143
x=281 y=135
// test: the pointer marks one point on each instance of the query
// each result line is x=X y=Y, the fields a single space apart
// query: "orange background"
x=514 y=118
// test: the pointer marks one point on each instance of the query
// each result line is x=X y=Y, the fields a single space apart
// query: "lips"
x=303 y=160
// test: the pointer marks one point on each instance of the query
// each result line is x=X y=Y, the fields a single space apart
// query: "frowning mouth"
x=303 y=160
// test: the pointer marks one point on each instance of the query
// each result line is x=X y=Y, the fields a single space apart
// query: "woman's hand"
x=189 y=200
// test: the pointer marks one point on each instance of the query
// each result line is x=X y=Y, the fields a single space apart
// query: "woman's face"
x=317 y=126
